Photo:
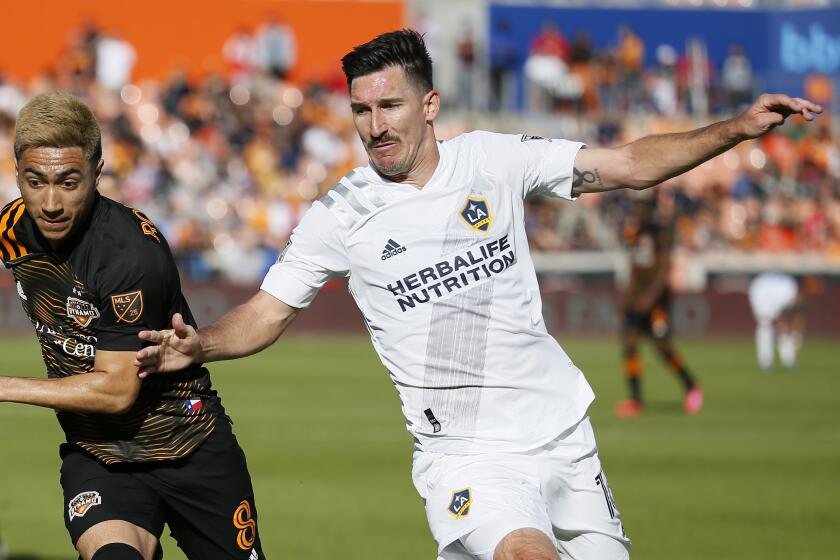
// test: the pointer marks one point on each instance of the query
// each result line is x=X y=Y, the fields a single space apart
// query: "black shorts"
x=656 y=322
x=206 y=499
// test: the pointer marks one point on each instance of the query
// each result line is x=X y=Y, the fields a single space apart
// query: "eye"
x=34 y=183
x=69 y=184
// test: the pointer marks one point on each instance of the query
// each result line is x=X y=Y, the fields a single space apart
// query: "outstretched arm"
x=653 y=159
x=243 y=331
x=111 y=388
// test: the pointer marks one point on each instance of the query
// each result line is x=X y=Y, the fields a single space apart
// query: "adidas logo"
x=392 y=248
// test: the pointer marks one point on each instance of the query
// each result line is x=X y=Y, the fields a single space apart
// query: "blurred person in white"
x=115 y=59
x=737 y=78
x=662 y=82
x=240 y=53
x=776 y=301
x=431 y=237
x=275 y=48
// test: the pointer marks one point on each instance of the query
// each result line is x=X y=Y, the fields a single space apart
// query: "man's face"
x=391 y=117
x=58 y=186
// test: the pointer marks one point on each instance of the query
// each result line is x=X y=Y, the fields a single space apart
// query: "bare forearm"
x=653 y=159
x=245 y=330
x=656 y=158
x=87 y=392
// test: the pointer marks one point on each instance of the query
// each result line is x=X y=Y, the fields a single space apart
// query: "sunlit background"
x=224 y=120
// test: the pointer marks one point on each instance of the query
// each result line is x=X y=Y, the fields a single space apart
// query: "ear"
x=431 y=107
x=17 y=176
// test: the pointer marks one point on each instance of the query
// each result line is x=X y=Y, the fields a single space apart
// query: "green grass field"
x=755 y=476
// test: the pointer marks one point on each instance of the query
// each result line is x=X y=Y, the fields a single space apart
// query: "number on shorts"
x=243 y=521
x=601 y=480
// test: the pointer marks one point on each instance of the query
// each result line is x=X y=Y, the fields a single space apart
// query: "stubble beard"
x=397 y=169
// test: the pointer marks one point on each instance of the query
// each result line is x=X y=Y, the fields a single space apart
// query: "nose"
x=378 y=124
x=53 y=205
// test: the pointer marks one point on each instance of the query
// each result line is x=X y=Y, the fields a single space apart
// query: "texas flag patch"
x=194 y=405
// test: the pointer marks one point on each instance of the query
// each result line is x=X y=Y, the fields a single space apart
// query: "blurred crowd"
x=781 y=193
x=226 y=164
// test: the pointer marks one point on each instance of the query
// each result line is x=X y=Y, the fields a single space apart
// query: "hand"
x=173 y=350
x=771 y=110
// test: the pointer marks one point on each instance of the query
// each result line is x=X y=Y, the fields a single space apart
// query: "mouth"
x=56 y=224
x=384 y=145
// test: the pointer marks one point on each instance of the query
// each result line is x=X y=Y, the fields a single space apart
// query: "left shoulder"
x=513 y=143
x=126 y=237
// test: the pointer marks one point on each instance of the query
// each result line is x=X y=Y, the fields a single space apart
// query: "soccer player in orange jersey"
x=647 y=304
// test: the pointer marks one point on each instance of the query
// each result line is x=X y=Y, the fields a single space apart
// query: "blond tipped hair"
x=58 y=120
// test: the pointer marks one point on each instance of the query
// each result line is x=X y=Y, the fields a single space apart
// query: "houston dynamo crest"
x=476 y=213
x=460 y=504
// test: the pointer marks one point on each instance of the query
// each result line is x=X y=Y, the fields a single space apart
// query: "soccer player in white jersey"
x=776 y=301
x=431 y=238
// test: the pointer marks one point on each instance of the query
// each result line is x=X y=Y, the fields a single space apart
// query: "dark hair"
x=404 y=48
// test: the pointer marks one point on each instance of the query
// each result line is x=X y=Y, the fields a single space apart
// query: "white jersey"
x=448 y=291
x=772 y=293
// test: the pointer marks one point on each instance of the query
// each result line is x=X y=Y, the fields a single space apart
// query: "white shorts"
x=771 y=294
x=473 y=501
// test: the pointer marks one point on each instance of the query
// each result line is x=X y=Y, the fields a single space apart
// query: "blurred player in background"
x=777 y=303
x=431 y=236
x=647 y=305
x=91 y=274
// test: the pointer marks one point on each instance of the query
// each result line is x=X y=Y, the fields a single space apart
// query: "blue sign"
x=784 y=46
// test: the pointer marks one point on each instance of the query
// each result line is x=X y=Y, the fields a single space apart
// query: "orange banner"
x=189 y=34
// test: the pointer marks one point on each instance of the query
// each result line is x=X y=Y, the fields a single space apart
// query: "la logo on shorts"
x=460 y=504
x=80 y=505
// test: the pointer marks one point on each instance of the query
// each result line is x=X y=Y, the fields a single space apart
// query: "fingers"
x=152 y=336
x=806 y=108
x=179 y=326
x=790 y=105
x=146 y=361
x=147 y=356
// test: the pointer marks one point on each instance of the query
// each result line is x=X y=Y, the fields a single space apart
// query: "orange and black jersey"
x=114 y=278
x=649 y=243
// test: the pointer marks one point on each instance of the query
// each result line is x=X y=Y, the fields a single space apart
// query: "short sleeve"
x=540 y=165
x=135 y=293
x=315 y=254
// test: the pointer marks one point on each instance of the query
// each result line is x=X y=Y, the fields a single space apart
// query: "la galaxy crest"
x=461 y=502
x=476 y=214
